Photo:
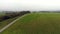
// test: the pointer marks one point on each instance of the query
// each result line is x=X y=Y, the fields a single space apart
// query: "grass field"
x=5 y=22
x=2 y=14
x=36 y=23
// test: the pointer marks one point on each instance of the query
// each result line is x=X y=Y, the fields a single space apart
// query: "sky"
x=32 y=5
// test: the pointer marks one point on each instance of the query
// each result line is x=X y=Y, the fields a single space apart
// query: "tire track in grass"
x=1 y=30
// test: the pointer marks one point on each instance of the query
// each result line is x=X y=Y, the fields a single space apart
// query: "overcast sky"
x=15 y=5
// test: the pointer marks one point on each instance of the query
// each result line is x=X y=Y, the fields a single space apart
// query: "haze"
x=32 y=5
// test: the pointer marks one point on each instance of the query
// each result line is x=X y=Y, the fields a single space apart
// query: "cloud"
x=29 y=4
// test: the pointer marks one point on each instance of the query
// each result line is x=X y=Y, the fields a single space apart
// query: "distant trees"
x=11 y=14
x=45 y=11
x=49 y=11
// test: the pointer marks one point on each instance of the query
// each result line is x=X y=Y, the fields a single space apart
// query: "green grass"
x=36 y=23
x=5 y=22
x=2 y=14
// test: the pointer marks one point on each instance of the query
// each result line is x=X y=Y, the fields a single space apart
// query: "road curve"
x=1 y=30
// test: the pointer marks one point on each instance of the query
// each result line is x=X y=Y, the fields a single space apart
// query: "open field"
x=2 y=14
x=8 y=17
x=36 y=23
x=5 y=22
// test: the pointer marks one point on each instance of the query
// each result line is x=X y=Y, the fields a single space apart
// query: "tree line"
x=12 y=14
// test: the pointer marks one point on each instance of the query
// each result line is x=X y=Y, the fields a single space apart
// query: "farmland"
x=7 y=17
x=36 y=23
x=5 y=22
x=1 y=14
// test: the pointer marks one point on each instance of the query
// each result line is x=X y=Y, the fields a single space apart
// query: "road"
x=1 y=30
